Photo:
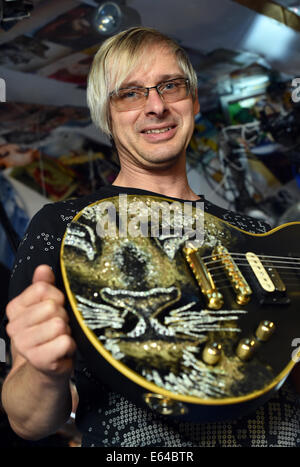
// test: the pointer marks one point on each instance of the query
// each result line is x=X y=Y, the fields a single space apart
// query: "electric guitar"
x=179 y=310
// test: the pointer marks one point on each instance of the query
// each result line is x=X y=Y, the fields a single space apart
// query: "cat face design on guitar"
x=185 y=319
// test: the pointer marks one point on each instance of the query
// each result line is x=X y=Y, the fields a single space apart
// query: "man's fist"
x=38 y=325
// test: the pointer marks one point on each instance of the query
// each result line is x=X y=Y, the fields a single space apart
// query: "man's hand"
x=38 y=326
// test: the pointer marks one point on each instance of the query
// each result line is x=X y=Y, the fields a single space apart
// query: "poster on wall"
x=25 y=53
x=71 y=69
x=72 y=29
x=45 y=148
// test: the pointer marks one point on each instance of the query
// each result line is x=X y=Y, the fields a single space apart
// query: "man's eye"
x=170 y=86
x=130 y=94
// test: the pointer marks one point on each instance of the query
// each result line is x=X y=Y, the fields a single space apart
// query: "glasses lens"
x=174 y=90
x=128 y=99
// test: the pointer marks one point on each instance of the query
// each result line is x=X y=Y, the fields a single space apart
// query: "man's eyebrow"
x=139 y=84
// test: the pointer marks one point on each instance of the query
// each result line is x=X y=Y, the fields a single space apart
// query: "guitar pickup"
x=236 y=278
x=260 y=272
x=204 y=279
x=274 y=276
x=272 y=288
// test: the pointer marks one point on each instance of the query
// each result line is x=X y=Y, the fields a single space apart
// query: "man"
x=142 y=92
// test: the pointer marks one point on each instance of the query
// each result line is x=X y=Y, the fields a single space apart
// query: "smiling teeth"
x=161 y=130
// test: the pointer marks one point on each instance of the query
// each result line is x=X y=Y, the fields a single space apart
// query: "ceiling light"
x=108 y=18
x=111 y=17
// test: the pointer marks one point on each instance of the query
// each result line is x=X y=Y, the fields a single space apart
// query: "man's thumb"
x=43 y=273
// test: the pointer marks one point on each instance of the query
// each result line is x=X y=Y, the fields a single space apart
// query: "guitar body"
x=198 y=324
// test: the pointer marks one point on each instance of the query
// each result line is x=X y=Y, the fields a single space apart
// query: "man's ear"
x=196 y=103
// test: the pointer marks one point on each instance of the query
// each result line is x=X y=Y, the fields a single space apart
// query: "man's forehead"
x=157 y=63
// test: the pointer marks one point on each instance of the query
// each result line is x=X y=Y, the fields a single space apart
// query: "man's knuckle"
x=59 y=324
x=10 y=309
x=50 y=306
x=60 y=296
x=65 y=343
x=40 y=288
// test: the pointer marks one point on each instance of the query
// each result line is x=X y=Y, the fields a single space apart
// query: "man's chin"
x=161 y=162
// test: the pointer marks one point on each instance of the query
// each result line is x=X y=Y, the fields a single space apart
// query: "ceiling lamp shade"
x=111 y=17
x=108 y=18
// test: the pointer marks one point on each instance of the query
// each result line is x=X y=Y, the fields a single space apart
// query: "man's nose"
x=155 y=103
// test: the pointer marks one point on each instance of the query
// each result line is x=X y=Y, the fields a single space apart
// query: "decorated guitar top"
x=179 y=310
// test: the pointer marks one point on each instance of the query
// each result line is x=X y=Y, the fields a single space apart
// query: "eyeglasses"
x=133 y=98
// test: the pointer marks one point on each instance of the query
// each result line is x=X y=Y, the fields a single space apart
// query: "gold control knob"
x=215 y=300
x=265 y=330
x=211 y=353
x=245 y=348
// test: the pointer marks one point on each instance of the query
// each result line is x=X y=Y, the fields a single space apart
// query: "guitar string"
x=267 y=264
x=285 y=273
x=288 y=281
x=242 y=255
x=222 y=274
x=219 y=281
x=222 y=287
x=220 y=277
x=288 y=262
x=246 y=264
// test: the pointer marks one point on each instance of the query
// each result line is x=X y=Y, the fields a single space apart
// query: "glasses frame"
x=146 y=90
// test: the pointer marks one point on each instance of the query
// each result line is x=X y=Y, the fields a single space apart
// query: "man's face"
x=130 y=129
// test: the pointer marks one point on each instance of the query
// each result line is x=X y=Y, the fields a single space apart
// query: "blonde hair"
x=116 y=58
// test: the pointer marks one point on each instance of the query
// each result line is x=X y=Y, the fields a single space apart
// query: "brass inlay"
x=265 y=330
x=238 y=282
x=245 y=348
x=212 y=353
x=164 y=405
x=205 y=281
x=260 y=272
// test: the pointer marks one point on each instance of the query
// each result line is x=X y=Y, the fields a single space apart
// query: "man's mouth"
x=158 y=130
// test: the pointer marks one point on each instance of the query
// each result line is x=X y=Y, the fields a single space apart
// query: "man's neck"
x=165 y=183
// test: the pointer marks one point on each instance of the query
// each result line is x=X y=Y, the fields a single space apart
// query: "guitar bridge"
x=237 y=280
x=204 y=279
